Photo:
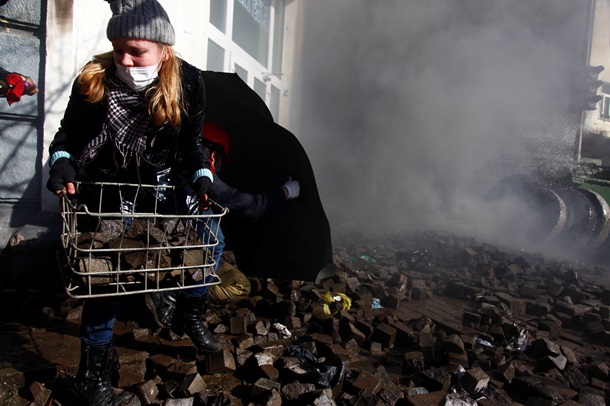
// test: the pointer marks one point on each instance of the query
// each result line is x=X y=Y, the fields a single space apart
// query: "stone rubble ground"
x=426 y=319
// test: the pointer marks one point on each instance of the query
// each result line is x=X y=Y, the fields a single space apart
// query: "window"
x=251 y=27
x=260 y=88
x=241 y=72
x=247 y=37
x=278 y=37
x=218 y=14
x=604 y=111
x=274 y=104
x=216 y=57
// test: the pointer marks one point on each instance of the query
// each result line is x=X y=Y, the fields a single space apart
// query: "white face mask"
x=138 y=78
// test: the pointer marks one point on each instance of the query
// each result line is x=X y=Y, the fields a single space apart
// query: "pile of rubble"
x=427 y=319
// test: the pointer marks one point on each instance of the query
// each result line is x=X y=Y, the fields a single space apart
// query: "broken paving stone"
x=181 y=369
x=426 y=345
x=390 y=395
x=161 y=361
x=293 y=391
x=221 y=361
x=179 y=402
x=600 y=384
x=95 y=265
x=525 y=386
x=453 y=343
x=385 y=335
x=591 y=396
x=475 y=380
x=40 y=393
x=599 y=370
x=365 y=381
x=349 y=331
x=271 y=398
x=190 y=385
x=263 y=385
x=544 y=347
x=317 y=397
x=435 y=379
x=132 y=367
x=147 y=392
x=413 y=362
x=548 y=392
x=549 y=362
x=505 y=373
x=432 y=398
x=242 y=357
x=458 y=359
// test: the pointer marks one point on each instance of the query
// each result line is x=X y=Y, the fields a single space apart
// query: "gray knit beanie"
x=141 y=19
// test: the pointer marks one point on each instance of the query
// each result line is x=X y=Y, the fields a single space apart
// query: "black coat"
x=294 y=243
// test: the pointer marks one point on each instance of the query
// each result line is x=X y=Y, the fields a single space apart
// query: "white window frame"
x=235 y=55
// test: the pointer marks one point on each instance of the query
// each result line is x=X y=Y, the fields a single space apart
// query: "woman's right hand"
x=61 y=177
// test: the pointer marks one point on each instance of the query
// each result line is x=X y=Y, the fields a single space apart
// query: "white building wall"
x=73 y=36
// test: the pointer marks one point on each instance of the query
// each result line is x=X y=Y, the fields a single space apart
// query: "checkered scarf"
x=128 y=125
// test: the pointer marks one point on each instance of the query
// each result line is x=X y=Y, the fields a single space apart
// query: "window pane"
x=275 y=103
x=278 y=37
x=251 y=27
x=241 y=72
x=216 y=57
x=605 y=110
x=218 y=14
x=260 y=88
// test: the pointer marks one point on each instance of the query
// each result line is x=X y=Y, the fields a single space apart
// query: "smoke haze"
x=414 y=109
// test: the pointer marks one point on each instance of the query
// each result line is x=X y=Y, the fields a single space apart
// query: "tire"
x=537 y=209
x=581 y=218
x=602 y=209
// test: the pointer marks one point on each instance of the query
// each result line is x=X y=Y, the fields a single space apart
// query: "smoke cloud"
x=414 y=109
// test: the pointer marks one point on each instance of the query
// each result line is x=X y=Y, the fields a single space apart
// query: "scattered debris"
x=406 y=320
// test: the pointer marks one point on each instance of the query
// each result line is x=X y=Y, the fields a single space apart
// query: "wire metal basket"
x=111 y=248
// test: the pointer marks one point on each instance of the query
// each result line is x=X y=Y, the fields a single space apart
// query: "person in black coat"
x=247 y=206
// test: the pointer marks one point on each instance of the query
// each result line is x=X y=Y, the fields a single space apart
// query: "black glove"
x=62 y=172
x=202 y=185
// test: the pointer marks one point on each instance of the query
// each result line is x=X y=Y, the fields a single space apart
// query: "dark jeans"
x=97 y=320
x=204 y=235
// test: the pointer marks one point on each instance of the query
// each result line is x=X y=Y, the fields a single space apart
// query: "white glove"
x=292 y=188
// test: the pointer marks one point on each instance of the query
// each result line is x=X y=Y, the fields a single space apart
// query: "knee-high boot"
x=93 y=381
x=189 y=310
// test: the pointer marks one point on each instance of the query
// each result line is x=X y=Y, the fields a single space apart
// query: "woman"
x=133 y=113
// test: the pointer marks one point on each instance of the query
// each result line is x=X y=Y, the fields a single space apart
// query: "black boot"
x=93 y=381
x=189 y=310
x=162 y=306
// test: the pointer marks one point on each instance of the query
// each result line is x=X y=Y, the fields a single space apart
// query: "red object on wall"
x=16 y=87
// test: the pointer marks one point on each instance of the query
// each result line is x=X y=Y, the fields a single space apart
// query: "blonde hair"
x=164 y=97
